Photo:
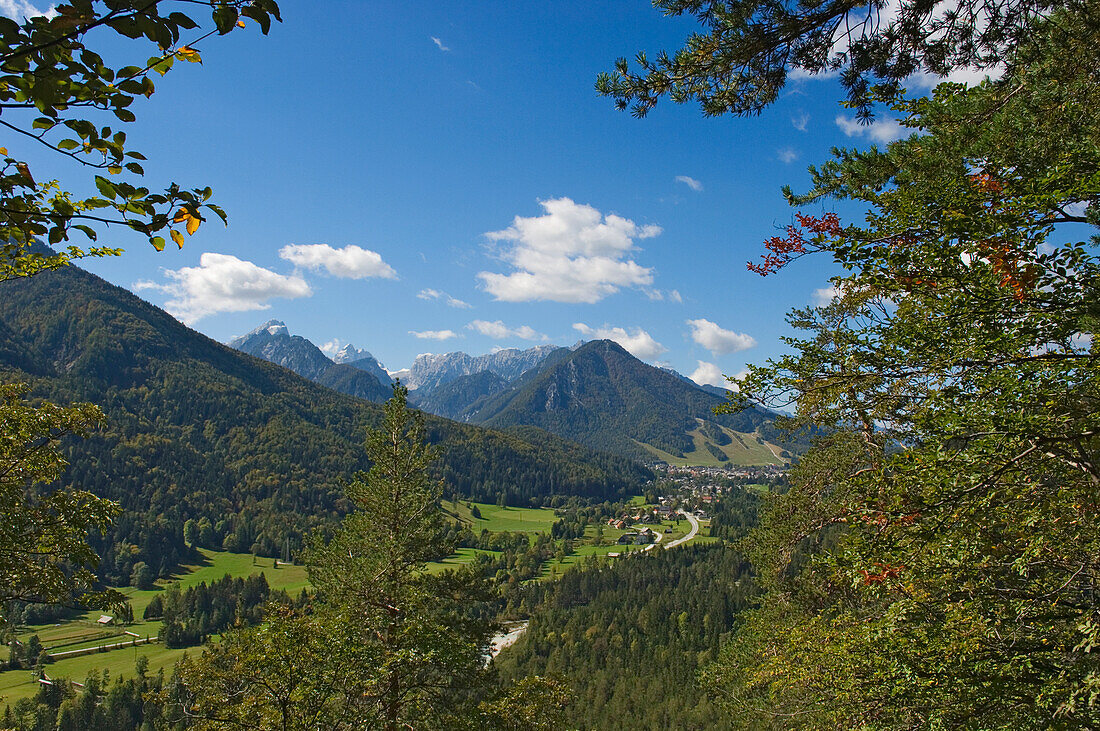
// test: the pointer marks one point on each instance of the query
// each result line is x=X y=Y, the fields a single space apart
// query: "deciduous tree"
x=58 y=93
x=935 y=562
x=44 y=551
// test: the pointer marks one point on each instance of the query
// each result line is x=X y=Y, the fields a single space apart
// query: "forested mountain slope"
x=605 y=398
x=199 y=430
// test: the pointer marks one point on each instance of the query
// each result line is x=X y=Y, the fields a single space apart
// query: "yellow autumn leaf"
x=4 y=151
x=181 y=216
x=188 y=54
x=240 y=23
x=192 y=225
x=177 y=237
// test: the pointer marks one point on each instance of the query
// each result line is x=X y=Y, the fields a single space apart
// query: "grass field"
x=744 y=449
x=84 y=632
x=459 y=558
x=495 y=518
x=16 y=684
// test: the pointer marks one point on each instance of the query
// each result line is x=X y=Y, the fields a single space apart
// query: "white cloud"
x=964 y=75
x=719 y=340
x=637 y=341
x=801 y=122
x=332 y=347
x=787 y=154
x=20 y=9
x=439 y=44
x=435 y=294
x=825 y=295
x=657 y=295
x=572 y=253
x=882 y=130
x=708 y=374
x=690 y=182
x=434 y=334
x=1081 y=342
x=224 y=283
x=499 y=331
x=350 y=262
x=1077 y=209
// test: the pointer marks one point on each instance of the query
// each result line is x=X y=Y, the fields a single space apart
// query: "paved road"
x=659 y=535
x=691 y=534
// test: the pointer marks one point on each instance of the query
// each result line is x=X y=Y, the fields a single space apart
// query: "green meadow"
x=84 y=631
x=496 y=518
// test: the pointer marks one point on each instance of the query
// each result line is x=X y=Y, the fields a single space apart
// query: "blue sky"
x=425 y=177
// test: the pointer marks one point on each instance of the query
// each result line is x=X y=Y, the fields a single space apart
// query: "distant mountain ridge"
x=273 y=342
x=429 y=371
x=364 y=361
x=594 y=393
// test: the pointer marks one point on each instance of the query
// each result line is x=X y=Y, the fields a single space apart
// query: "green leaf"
x=106 y=187
x=225 y=18
x=259 y=15
x=183 y=21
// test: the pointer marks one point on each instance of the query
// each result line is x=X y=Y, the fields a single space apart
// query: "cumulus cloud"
x=801 y=122
x=719 y=340
x=350 y=262
x=708 y=374
x=572 y=253
x=882 y=131
x=435 y=294
x=223 y=283
x=499 y=331
x=636 y=341
x=825 y=295
x=787 y=154
x=439 y=44
x=20 y=9
x=332 y=347
x=690 y=182
x=434 y=334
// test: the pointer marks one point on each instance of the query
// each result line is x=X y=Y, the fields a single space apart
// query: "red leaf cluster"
x=784 y=249
x=886 y=572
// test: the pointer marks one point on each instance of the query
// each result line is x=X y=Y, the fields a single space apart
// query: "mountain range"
x=357 y=373
x=595 y=393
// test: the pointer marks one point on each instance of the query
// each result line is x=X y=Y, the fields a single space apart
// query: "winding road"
x=690 y=534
